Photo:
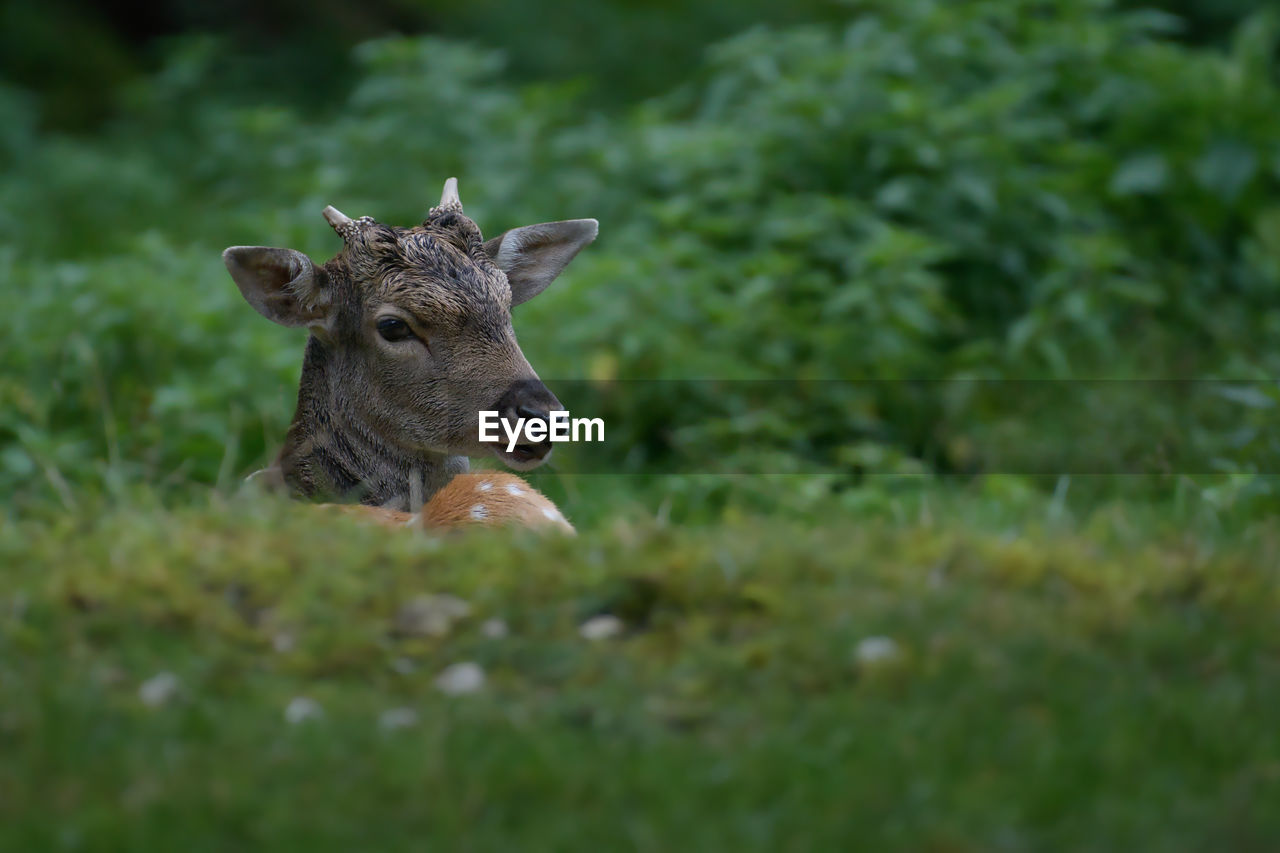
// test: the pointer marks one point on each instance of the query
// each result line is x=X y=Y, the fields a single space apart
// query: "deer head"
x=411 y=337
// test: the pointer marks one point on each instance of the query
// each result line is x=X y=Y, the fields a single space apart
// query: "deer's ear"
x=533 y=255
x=282 y=284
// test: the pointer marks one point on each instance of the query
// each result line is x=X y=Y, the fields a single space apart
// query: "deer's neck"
x=332 y=452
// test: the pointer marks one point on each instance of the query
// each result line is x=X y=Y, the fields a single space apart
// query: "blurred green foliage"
x=79 y=54
x=861 y=250
x=922 y=190
x=1036 y=686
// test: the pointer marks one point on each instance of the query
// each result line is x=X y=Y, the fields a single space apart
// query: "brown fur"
x=478 y=499
x=490 y=498
x=390 y=431
x=390 y=423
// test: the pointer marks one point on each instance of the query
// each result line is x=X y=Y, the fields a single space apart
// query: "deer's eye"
x=394 y=329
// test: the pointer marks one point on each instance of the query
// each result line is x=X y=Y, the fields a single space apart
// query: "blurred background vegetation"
x=819 y=190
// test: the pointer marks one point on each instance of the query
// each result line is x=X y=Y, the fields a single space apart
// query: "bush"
x=1030 y=189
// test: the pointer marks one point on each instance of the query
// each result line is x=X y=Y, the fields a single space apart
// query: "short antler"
x=336 y=218
x=343 y=224
x=449 y=199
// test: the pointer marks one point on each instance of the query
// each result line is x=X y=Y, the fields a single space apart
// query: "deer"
x=410 y=338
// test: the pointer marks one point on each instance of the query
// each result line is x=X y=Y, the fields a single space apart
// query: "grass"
x=1102 y=683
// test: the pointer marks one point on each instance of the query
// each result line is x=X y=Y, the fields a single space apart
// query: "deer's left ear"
x=533 y=255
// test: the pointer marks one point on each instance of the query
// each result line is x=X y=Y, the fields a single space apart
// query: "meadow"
x=938 y=506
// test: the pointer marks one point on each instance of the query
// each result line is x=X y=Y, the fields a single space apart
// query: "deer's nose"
x=529 y=400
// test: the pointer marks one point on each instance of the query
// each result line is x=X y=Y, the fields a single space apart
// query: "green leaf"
x=1143 y=174
x=1226 y=169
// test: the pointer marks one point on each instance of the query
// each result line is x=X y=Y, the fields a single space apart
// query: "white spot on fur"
x=479 y=513
x=484 y=487
x=413 y=520
x=514 y=490
x=552 y=514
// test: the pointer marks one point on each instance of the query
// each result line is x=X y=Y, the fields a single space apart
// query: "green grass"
x=1108 y=682
x=983 y=191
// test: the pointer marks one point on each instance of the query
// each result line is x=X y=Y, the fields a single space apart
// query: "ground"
x=242 y=675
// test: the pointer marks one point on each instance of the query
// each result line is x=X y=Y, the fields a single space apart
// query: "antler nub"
x=336 y=218
x=449 y=199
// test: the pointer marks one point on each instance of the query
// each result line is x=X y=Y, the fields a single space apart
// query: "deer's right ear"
x=282 y=284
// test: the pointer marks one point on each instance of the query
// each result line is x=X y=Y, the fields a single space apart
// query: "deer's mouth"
x=523 y=457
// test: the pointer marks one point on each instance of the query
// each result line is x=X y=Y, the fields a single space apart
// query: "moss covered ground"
x=250 y=674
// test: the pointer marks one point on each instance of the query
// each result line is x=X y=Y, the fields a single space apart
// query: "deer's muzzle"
x=525 y=402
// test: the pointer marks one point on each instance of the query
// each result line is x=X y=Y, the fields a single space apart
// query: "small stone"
x=460 y=678
x=431 y=615
x=872 y=650
x=404 y=666
x=601 y=627
x=300 y=709
x=158 y=689
x=494 y=628
x=397 y=718
x=109 y=676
